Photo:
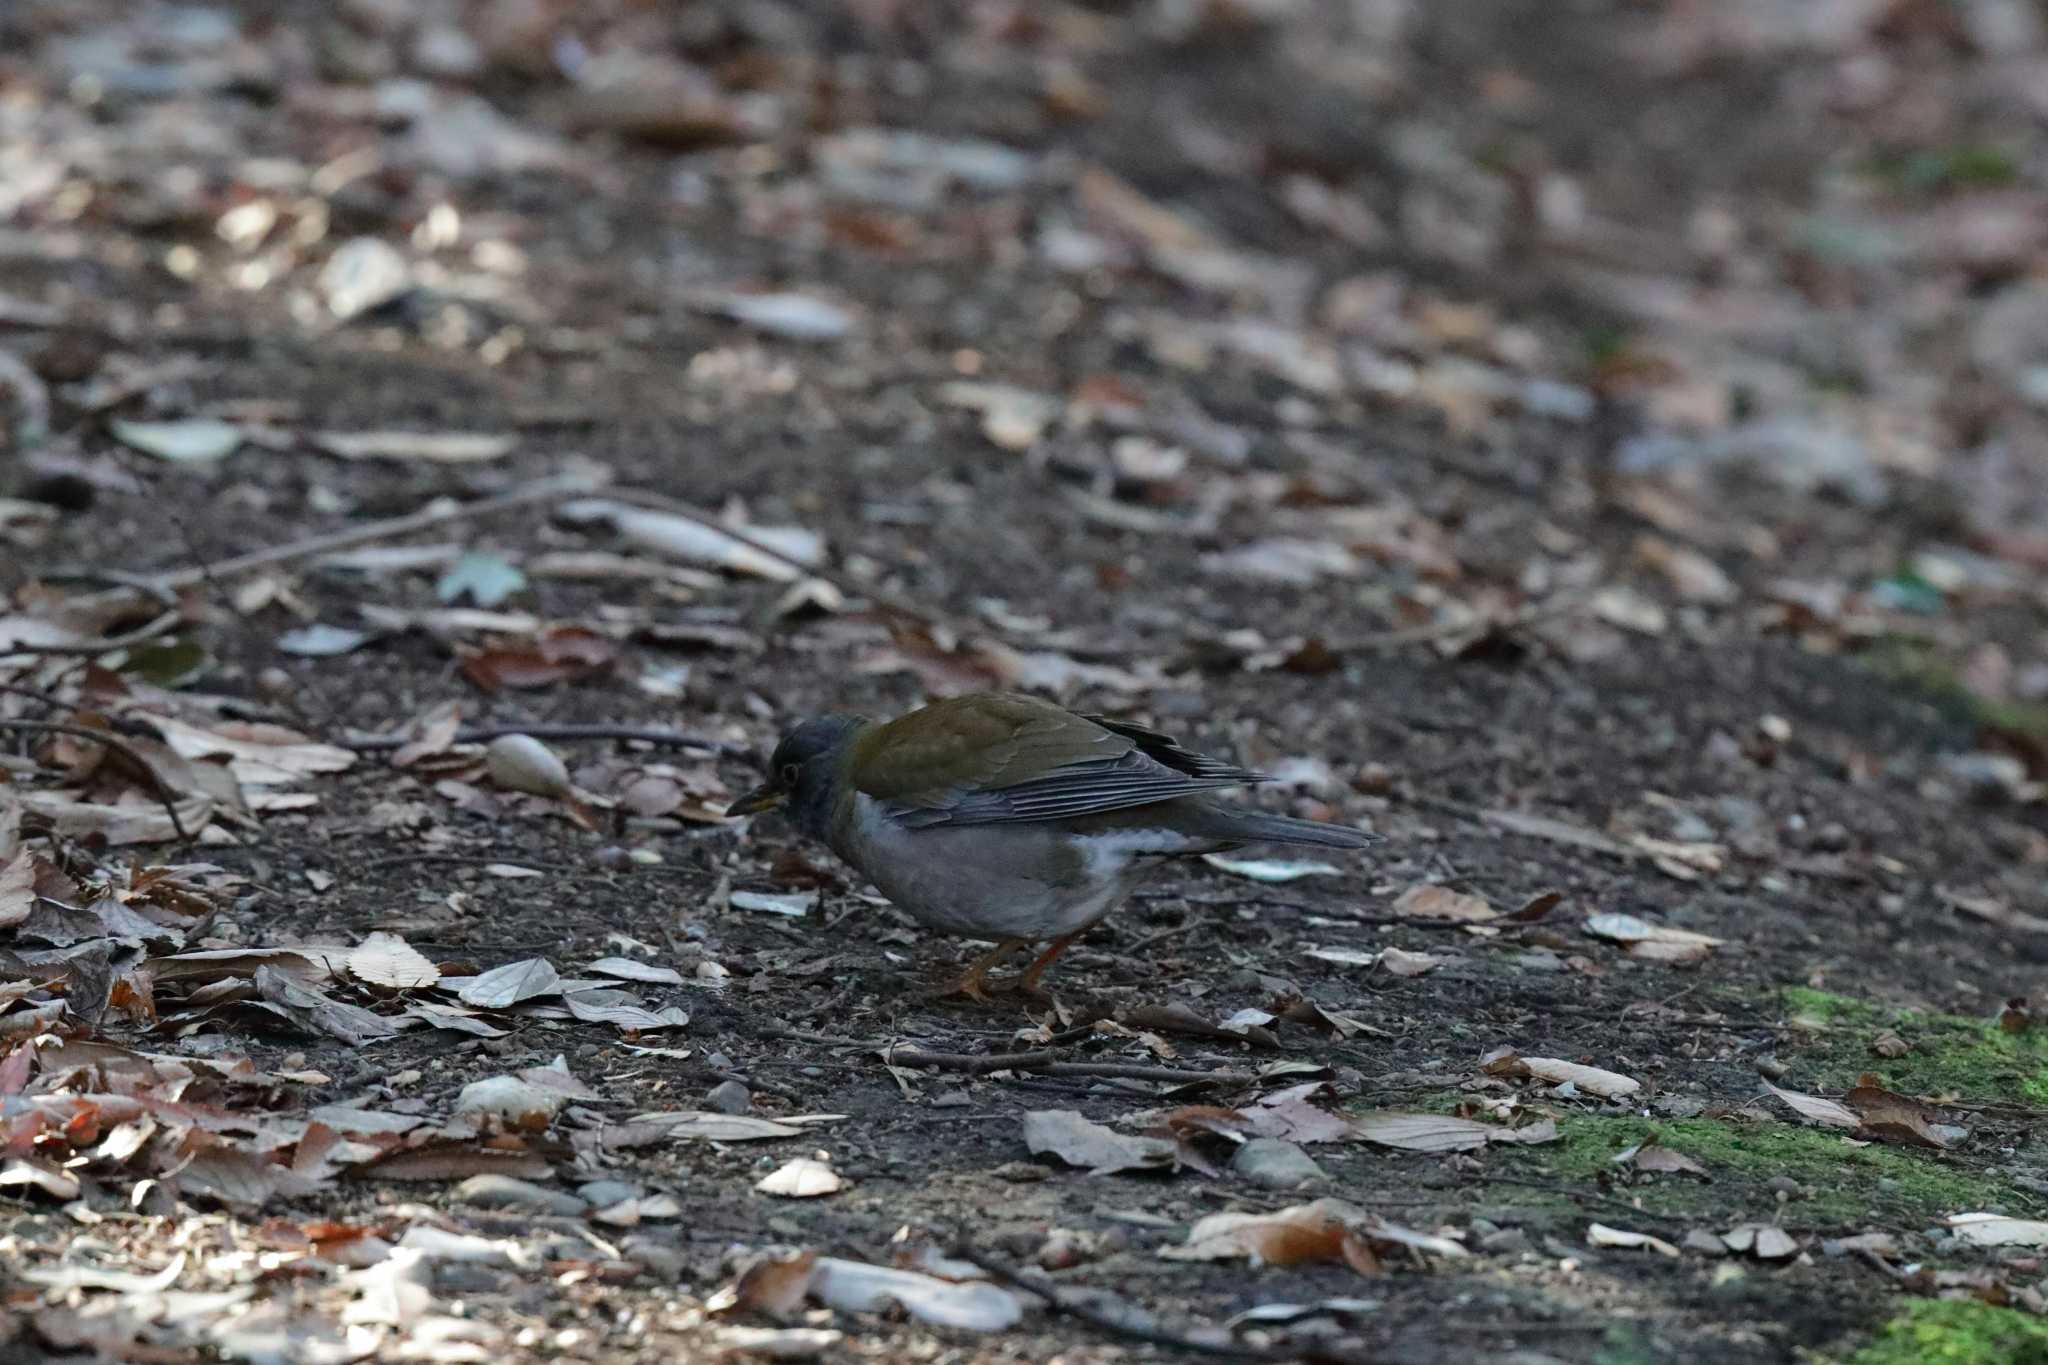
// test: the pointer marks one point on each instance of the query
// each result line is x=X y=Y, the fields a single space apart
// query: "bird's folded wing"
x=998 y=760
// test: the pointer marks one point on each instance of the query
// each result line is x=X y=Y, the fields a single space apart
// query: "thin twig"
x=541 y=490
x=1048 y=1063
x=484 y=734
x=1573 y=1192
x=158 y=787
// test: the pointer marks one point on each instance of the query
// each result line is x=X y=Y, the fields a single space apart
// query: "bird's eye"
x=789 y=771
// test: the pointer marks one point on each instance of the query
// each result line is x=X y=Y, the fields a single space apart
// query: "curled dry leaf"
x=696 y=543
x=1591 y=1080
x=1081 y=1142
x=1891 y=1117
x=1429 y=901
x=1320 y=1231
x=1600 y=1235
x=1400 y=962
x=775 y=1287
x=1652 y=942
x=795 y=904
x=801 y=1178
x=522 y=763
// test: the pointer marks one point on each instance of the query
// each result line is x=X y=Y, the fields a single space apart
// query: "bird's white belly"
x=1027 y=881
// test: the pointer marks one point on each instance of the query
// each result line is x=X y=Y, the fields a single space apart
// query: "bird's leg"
x=1028 y=982
x=974 y=985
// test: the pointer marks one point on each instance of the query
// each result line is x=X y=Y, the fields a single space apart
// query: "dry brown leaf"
x=1426 y=900
x=1891 y=1117
x=776 y=1287
x=1304 y=1233
x=1400 y=962
x=503 y=987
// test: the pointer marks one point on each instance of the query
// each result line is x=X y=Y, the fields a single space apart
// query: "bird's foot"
x=974 y=984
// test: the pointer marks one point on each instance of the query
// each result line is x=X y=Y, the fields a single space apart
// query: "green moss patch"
x=1950 y=1055
x=1841 y=1183
x=1957 y=1332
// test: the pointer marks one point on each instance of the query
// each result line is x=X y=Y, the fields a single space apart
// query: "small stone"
x=729 y=1097
x=1506 y=1242
x=504 y=1192
x=1705 y=1243
x=1065 y=1248
x=663 y=1261
x=1276 y=1164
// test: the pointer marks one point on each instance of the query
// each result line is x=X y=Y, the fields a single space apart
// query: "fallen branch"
x=158 y=787
x=542 y=490
x=485 y=734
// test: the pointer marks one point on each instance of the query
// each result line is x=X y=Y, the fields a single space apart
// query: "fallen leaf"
x=1998 y=1230
x=387 y=960
x=194 y=440
x=1081 y=1142
x=1443 y=1132
x=1653 y=942
x=799 y=317
x=316 y=1012
x=320 y=641
x=485 y=579
x=632 y=969
x=1655 y=1156
x=801 y=1178
x=696 y=543
x=432 y=447
x=1600 y=1235
x=1814 y=1109
x=522 y=763
x=1891 y=1117
x=1270 y=869
x=502 y=987
x=1425 y=900
x=857 y=1287
x=1303 y=1233
x=1400 y=962
x=622 y=1011
x=1606 y=1085
x=795 y=904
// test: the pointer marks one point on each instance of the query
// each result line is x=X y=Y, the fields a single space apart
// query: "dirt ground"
x=1590 y=446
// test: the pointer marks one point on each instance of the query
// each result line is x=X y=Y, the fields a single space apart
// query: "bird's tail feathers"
x=1262 y=828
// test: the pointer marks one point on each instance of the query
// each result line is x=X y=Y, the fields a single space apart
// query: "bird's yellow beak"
x=767 y=796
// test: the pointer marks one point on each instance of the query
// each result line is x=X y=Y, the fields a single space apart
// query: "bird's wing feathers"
x=1000 y=760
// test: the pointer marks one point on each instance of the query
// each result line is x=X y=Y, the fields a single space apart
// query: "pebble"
x=504 y=1192
x=1276 y=1164
x=729 y=1097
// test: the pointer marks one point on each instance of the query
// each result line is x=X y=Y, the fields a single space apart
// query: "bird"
x=1004 y=817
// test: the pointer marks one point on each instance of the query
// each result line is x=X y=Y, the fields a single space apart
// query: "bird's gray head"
x=804 y=773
